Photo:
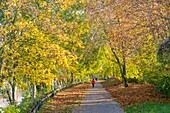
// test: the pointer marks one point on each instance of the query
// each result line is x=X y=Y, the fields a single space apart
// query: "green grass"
x=77 y=102
x=149 y=107
x=67 y=110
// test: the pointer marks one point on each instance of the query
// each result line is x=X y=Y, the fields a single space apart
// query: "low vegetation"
x=138 y=97
x=149 y=107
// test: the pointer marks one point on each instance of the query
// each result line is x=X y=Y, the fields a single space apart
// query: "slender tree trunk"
x=29 y=88
x=61 y=83
x=9 y=96
x=124 y=72
x=13 y=87
x=54 y=84
x=13 y=94
x=33 y=96
x=122 y=68
x=72 y=78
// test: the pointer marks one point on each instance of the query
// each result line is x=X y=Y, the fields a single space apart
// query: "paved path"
x=98 y=100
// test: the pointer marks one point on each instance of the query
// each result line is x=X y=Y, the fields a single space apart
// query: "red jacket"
x=93 y=81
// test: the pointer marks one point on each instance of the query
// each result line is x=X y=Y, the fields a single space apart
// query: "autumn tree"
x=40 y=40
x=129 y=25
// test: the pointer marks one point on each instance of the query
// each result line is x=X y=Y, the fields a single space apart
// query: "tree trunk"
x=9 y=95
x=13 y=85
x=72 y=78
x=13 y=94
x=33 y=96
x=61 y=83
x=124 y=72
x=122 y=68
x=54 y=84
x=29 y=88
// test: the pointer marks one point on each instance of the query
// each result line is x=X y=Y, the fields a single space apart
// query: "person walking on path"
x=98 y=100
x=93 y=82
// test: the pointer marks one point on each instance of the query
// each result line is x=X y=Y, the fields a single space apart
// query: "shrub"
x=130 y=80
x=164 y=85
x=11 y=109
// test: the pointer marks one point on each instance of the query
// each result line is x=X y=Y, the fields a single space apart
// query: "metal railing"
x=40 y=102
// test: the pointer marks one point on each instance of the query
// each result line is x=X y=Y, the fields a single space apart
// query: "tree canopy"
x=42 y=41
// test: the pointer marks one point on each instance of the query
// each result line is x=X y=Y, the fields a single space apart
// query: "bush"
x=164 y=85
x=134 y=80
x=11 y=109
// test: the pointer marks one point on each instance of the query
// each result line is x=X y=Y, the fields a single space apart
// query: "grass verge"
x=149 y=107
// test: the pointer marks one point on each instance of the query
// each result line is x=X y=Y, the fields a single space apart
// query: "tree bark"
x=13 y=94
x=9 y=96
x=124 y=72
x=122 y=68
x=13 y=86
x=33 y=92
x=72 y=78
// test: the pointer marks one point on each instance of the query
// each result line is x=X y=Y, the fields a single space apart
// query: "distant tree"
x=163 y=52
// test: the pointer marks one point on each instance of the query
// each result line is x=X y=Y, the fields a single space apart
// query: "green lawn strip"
x=149 y=107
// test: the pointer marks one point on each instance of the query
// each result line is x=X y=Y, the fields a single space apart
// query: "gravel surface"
x=98 y=100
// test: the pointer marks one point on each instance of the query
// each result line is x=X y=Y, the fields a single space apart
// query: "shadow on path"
x=98 y=100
